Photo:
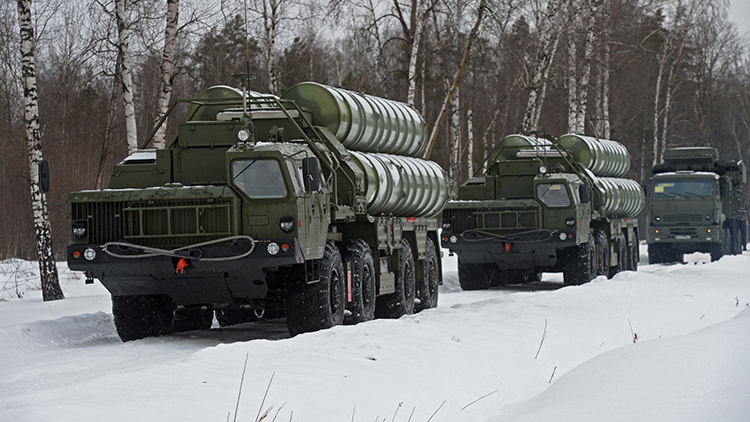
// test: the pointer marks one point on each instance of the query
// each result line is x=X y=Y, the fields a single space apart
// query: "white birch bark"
x=47 y=268
x=548 y=29
x=126 y=76
x=416 y=40
x=167 y=73
x=270 y=22
x=455 y=143
x=605 y=75
x=572 y=64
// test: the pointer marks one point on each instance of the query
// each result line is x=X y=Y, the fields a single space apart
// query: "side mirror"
x=44 y=176
x=311 y=174
x=583 y=194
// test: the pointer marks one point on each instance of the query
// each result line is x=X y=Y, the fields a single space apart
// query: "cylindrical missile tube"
x=621 y=198
x=402 y=186
x=509 y=146
x=603 y=157
x=363 y=122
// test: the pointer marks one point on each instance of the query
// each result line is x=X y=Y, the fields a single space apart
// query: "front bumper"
x=197 y=280
x=536 y=249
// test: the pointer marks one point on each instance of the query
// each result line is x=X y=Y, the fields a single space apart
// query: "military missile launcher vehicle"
x=697 y=204
x=309 y=206
x=545 y=205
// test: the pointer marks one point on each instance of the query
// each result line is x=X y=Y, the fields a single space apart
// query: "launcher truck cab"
x=697 y=204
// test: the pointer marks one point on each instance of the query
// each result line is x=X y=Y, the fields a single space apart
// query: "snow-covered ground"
x=666 y=343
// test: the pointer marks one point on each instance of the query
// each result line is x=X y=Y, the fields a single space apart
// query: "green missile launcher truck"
x=697 y=204
x=309 y=206
x=557 y=205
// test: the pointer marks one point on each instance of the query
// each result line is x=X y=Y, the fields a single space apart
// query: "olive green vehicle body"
x=507 y=228
x=193 y=224
x=696 y=204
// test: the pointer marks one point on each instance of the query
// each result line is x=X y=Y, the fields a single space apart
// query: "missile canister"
x=403 y=186
x=363 y=122
x=621 y=198
x=197 y=112
x=509 y=146
x=603 y=157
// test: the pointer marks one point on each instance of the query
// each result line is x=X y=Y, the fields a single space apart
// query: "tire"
x=736 y=242
x=580 y=266
x=192 y=319
x=400 y=302
x=622 y=257
x=139 y=317
x=655 y=254
x=362 y=307
x=633 y=254
x=477 y=276
x=427 y=291
x=602 y=253
x=317 y=306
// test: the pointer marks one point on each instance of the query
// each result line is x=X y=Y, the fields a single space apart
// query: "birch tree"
x=126 y=75
x=586 y=19
x=47 y=268
x=167 y=72
x=548 y=24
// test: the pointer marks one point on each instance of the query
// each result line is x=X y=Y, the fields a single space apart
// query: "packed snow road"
x=669 y=342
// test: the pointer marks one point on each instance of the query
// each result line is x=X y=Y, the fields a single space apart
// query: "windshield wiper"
x=246 y=167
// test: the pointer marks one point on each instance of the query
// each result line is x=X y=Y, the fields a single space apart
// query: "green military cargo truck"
x=697 y=204
x=310 y=206
x=558 y=205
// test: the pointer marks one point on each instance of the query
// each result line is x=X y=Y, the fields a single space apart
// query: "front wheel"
x=143 y=316
x=320 y=305
x=581 y=263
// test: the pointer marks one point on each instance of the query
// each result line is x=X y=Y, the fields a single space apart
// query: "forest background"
x=651 y=74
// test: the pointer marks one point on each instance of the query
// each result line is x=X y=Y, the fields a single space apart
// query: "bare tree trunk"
x=668 y=99
x=470 y=142
x=47 y=268
x=606 y=127
x=107 y=135
x=167 y=71
x=657 y=96
x=573 y=15
x=550 y=35
x=456 y=79
x=127 y=78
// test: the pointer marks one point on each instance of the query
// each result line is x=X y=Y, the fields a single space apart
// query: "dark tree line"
x=651 y=74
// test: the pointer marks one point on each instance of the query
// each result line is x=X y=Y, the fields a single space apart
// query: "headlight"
x=273 y=248
x=563 y=235
x=570 y=222
x=89 y=254
x=79 y=230
x=543 y=169
x=454 y=239
x=708 y=218
x=243 y=135
x=657 y=218
x=446 y=224
x=287 y=223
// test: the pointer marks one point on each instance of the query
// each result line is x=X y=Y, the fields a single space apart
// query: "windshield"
x=684 y=188
x=553 y=194
x=259 y=178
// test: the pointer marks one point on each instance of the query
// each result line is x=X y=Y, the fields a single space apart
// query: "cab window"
x=553 y=194
x=684 y=188
x=259 y=178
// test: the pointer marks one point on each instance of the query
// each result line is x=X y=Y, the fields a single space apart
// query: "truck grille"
x=155 y=223
x=682 y=218
x=493 y=220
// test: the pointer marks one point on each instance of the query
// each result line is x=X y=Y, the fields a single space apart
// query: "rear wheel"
x=427 y=293
x=622 y=257
x=580 y=266
x=736 y=242
x=312 y=307
x=602 y=253
x=633 y=254
x=362 y=306
x=138 y=317
x=400 y=302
